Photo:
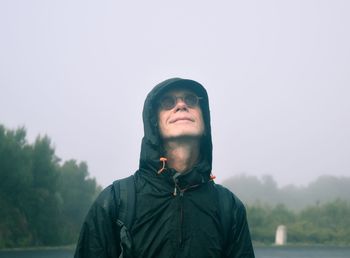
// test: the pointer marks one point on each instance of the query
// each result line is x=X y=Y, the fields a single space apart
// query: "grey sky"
x=277 y=74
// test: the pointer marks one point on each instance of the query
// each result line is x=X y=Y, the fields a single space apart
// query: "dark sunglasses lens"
x=191 y=100
x=167 y=102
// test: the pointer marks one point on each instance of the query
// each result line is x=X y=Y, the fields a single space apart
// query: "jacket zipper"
x=181 y=219
x=181 y=196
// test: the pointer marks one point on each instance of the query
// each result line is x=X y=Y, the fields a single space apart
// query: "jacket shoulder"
x=105 y=199
x=228 y=196
x=109 y=200
x=233 y=213
x=97 y=236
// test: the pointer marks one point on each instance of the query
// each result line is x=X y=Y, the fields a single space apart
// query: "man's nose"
x=180 y=103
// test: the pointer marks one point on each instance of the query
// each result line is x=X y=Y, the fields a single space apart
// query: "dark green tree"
x=15 y=179
x=42 y=202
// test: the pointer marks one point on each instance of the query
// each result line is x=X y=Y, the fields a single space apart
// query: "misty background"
x=277 y=75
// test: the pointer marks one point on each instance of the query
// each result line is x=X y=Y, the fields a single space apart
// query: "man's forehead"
x=179 y=91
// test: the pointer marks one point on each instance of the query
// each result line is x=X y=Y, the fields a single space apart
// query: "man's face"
x=181 y=120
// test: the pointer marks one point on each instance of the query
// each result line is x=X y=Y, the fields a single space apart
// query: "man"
x=179 y=210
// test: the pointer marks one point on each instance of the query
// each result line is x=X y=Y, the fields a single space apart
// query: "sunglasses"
x=169 y=102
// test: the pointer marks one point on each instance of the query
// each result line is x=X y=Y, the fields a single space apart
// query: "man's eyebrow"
x=176 y=93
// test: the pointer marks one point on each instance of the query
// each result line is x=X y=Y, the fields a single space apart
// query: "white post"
x=281 y=235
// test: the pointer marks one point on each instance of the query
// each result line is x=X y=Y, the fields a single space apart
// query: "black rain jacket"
x=177 y=215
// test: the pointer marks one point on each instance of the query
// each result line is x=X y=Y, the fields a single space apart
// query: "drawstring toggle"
x=162 y=159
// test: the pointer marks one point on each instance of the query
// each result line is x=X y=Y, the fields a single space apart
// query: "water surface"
x=302 y=252
x=260 y=252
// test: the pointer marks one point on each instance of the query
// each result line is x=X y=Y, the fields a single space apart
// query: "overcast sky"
x=277 y=73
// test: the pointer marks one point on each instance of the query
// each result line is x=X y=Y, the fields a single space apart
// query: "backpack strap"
x=225 y=209
x=125 y=197
x=124 y=212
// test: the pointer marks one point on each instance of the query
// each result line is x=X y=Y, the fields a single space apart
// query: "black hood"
x=151 y=147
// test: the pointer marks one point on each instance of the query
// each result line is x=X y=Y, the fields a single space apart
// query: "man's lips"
x=174 y=120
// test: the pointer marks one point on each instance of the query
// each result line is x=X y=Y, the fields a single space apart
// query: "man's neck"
x=182 y=154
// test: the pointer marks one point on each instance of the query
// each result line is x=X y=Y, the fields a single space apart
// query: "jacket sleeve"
x=239 y=241
x=98 y=234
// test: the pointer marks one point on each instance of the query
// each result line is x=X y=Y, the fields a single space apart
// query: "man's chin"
x=183 y=137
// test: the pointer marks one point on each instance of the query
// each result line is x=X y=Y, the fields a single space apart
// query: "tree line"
x=43 y=202
x=328 y=223
x=318 y=213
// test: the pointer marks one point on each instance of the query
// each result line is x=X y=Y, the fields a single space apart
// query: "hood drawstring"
x=175 y=183
x=175 y=191
x=164 y=160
